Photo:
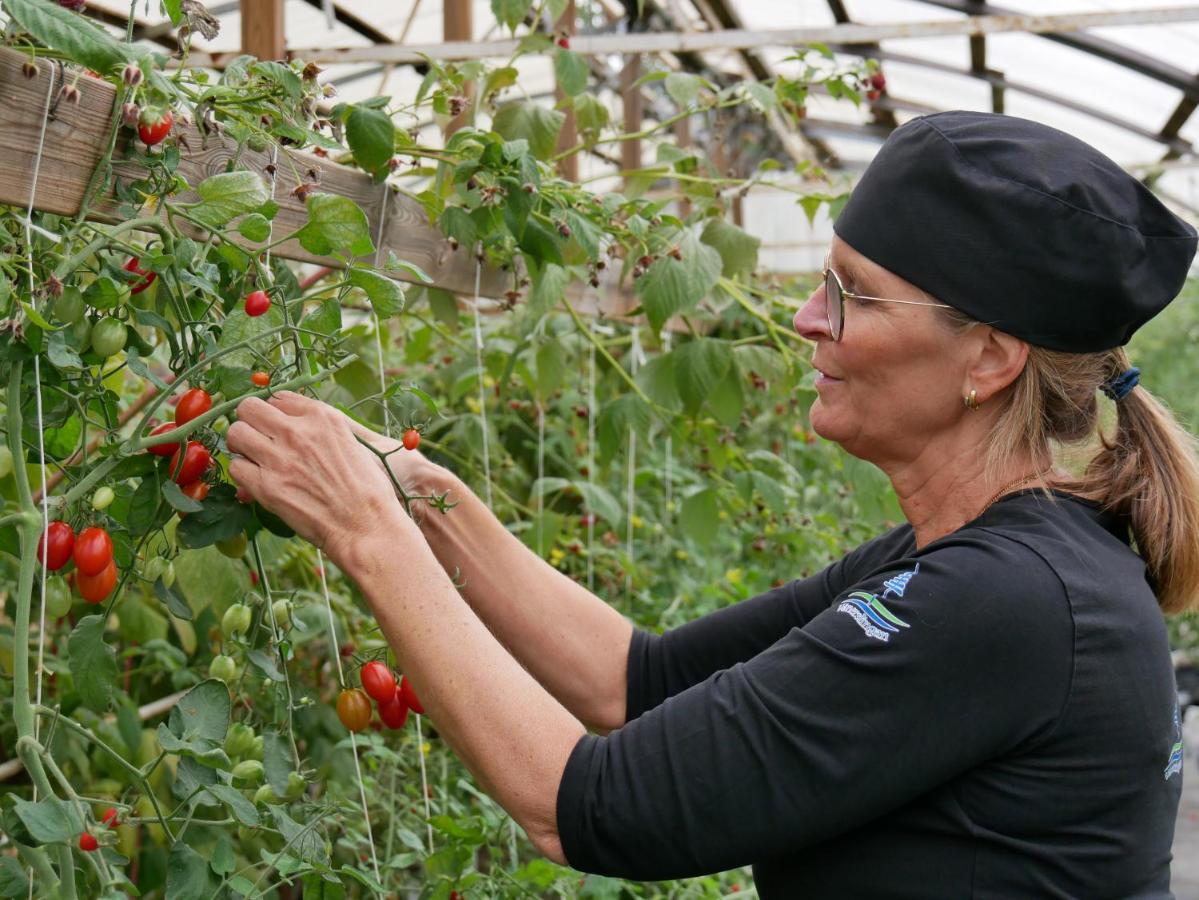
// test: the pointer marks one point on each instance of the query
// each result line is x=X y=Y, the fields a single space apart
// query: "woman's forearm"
x=571 y=641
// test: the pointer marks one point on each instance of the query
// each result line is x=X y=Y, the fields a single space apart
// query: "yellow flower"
x=722 y=514
x=473 y=405
x=637 y=521
x=556 y=556
x=680 y=554
x=733 y=576
x=425 y=748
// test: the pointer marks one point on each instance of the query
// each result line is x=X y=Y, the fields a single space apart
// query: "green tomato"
x=265 y=794
x=224 y=668
x=5 y=461
x=103 y=498
x=81 y=331
x=281 y=610
x=109 y=336
x=235 y=547
x=69 y=308
x=236 y=620
x=221 y=425
x=58 y=597
x=248 y=772
x=239 y=739
x=161 y=567
x=296 y=785
x=256 y=750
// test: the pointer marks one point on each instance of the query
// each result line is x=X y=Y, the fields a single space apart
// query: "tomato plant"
x=193 y=403
x=163 y=449
x=93 y=551
x=96 y=588
x=378 y=681
x=60 y=539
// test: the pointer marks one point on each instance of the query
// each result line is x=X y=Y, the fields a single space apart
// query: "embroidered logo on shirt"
x=874 y=618
x=899 y=583
x=1174 y=763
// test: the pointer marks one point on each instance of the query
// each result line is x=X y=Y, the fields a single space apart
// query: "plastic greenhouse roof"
x=1123 y=108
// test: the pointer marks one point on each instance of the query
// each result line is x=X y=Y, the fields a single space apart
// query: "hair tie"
x=1118 y=386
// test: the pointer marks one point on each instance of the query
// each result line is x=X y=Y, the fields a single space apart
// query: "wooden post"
x=569 y=136
x=682 y=134
x=262 y=32
x=457 y=24
x=630 y=94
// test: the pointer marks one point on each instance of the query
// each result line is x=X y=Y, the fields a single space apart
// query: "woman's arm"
x=570 y=640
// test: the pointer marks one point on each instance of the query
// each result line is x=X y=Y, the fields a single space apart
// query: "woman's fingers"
x=264 y=417
x=245 y=440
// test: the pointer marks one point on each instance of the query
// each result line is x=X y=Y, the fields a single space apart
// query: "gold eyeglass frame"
x=843 y=293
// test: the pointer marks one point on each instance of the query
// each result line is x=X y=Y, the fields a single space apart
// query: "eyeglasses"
x=834 y=301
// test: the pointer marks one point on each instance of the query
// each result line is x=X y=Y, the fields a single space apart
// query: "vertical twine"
x=479 y=366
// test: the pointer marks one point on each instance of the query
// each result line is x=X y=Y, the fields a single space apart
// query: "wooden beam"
x=262 y=32
x=738 y=39
x=457 y=24
x=630 y=95
x=76 y=136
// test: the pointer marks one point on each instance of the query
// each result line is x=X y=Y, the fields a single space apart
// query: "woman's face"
x=895 y=380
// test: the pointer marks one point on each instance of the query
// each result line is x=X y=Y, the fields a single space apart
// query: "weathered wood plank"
x=76 y=135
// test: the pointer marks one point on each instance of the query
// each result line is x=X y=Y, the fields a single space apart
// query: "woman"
x=978 y=703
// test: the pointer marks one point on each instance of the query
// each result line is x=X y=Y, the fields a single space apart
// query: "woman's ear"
x=998 y=360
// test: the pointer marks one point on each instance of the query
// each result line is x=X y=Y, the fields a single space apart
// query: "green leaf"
x=60 y=354
x=571 y=71
x=672 y=286
x=93 y=663
x=617 y=419
x=174 y=600
x=225 y=196
x=266 y=664
x=242 y=808
x=548 y=290
x=336 y=225
x=456 y=222
x=178 y=500
x=276 y=760
x=657 y=379
x=700 y=516
x=738 y=250
x=371 y=135
x=255 y=227
x=510 y=13
x=386 y=296
x=683 y=87
x=537 y=124
x=600 y=501
x=541 y=244
x=499 y=79
x=77 y=36
x=208 y=573
x=221 y=517
x=202 y=713
x=50 y=820
x=551 y=366
x=189 y=876
x=13 y=882
x=591 y=116
x=444 y=306
x=305 y=841
x=326 y=318
x=699 y=366
x=104 y=293
x=727 y=400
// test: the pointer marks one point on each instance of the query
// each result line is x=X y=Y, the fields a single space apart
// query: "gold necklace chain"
x=1007 y=487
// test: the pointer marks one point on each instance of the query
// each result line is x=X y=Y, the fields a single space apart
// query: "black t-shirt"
x=992 y=715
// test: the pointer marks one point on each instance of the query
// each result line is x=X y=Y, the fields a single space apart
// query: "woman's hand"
x=300 y=459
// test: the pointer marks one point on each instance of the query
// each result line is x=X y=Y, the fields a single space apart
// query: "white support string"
x=341 y=679
x=666 y=473
x=41 y=430
x=479 y=365
x=375 y=315
x=636 y=358
x=591 y=460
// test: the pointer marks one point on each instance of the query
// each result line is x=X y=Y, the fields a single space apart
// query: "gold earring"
x=971 y=400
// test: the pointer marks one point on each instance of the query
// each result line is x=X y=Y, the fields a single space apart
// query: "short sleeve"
x=660 y=666
x=944 y=660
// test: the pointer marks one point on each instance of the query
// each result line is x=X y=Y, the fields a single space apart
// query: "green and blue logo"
x=871 y=615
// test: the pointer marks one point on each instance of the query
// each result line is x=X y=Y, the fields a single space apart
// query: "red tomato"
x=133 y=265
x=93 y=551
x=196 y=459
x=61 y=538
x=94 y=588
x=88 y=842
x=110 y=818
x=194 y=403
x=153 y=126
x=354 y=709
x=409 y=694
x=163 y=449
x=394 y=712
x=262 y=379
x=257 y=303
x=411 y=439
x=378 y=681
x=197 y=490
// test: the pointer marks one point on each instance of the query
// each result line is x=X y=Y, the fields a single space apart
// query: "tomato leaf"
x=189 y=877
x=386 y=296
x=77 y=36
x=254 y=227
x=336 y=225
x=242 y=808
x=276 y=760
x=93 y=663
x=537 y=124
x=371 y=135
x=227 y=195
x=305 y=841
x=49 y=821
x=571 y=71
x=220 y=517
x=13 y=882
x=175 y=602
x=178 y=500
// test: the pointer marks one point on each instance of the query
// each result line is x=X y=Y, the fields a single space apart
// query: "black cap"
x=1021 y=226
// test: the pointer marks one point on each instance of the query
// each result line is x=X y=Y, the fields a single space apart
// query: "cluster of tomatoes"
x=87 y=840
x=91 y=550
x=188 y=464
x=394 y=700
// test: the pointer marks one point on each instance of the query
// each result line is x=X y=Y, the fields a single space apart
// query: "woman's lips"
x=823 y=378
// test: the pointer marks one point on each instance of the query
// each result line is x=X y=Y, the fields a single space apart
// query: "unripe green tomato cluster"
x=239 y=740
x=69 y=308
x=248 y=772
x=109 y=336
x=281 y=610
x=161 y=567
x=224 y=668
x=265 y=794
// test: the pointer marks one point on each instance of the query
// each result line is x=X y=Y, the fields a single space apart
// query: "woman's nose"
x=811 y=322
